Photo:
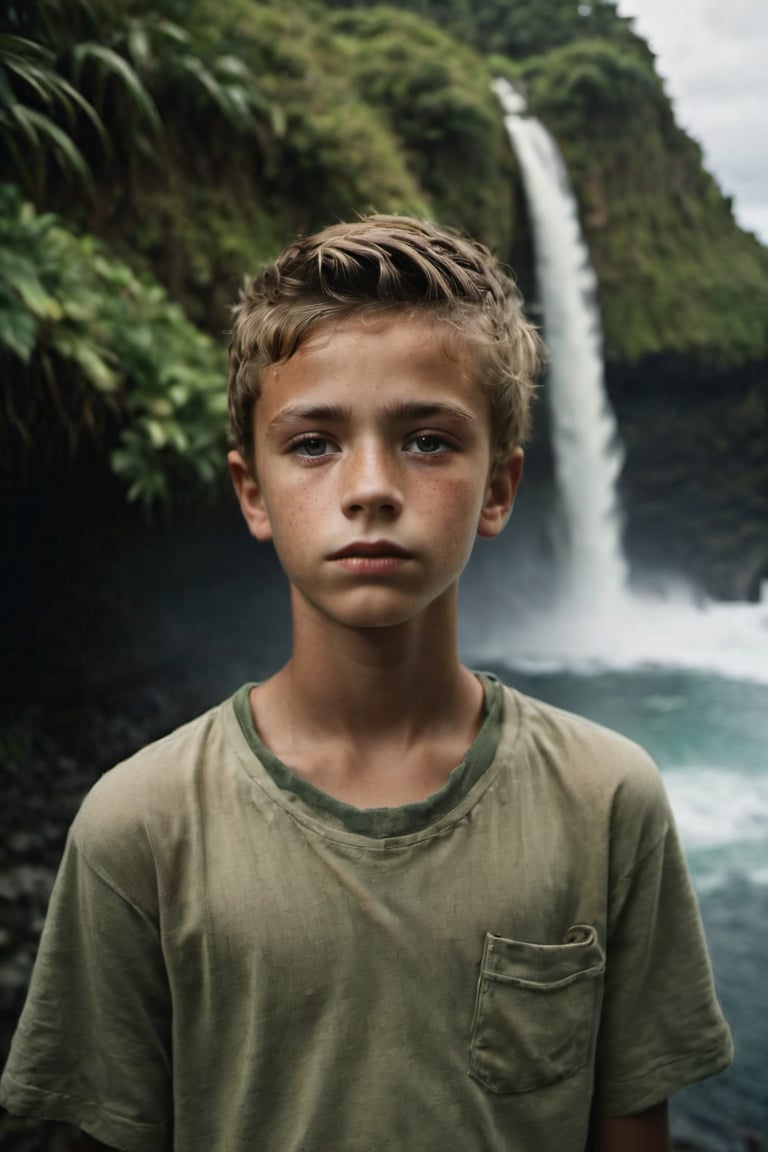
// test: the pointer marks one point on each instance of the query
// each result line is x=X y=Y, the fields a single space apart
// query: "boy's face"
x=373 y=450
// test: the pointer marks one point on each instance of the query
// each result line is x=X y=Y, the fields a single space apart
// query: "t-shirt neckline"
x=382 y=823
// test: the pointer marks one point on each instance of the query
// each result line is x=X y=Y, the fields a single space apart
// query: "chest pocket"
x=536 y=1010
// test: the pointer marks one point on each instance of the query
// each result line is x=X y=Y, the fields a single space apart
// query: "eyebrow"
x=427 y=411
x=309 y=413
x=401 y=411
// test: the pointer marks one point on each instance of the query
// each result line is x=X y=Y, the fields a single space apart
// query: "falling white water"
x=588 y=455
x=596 y=621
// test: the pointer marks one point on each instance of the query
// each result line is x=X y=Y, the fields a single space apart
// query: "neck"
x=375 y=681
x=376 y=717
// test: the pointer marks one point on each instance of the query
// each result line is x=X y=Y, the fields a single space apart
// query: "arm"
x=647 y=1131
x=93 y=1042
x=661 y=1027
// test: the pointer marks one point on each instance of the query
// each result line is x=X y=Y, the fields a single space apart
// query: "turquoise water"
x=709 y=736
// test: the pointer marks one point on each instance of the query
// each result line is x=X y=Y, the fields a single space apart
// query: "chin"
x=372 y=620
x=373 y=612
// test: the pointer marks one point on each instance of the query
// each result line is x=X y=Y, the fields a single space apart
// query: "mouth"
x=371 y=550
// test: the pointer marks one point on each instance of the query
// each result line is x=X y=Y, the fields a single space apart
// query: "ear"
x=500 y=494
x=249 y=497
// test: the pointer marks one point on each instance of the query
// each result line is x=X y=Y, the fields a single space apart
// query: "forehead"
x=389 y=352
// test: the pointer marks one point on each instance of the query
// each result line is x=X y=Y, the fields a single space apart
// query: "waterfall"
x=590 y=621
x=587 y=451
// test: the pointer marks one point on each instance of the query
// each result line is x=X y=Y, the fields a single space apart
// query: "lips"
x=370 y=549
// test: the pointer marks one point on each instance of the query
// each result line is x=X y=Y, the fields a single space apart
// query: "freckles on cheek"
x=297 y=514
x=462 y=496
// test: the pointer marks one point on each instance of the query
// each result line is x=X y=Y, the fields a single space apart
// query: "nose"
x=371 y=482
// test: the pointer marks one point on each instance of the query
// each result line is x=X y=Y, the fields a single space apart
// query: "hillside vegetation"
x=153 y=152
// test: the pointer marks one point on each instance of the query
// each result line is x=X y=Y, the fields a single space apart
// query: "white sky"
x=713 y=57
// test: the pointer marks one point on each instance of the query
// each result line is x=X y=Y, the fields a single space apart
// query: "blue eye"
x=429 y=444
x=312 y=446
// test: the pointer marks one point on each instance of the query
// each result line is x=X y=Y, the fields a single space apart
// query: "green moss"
x=521 y=29
x=436 y=94
x=675 y=272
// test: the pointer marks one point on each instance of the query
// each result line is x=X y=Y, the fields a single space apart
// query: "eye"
x=428 y=444
x=312 y=447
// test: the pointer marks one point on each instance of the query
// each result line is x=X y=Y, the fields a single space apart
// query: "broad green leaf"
x=77 y=310
x=205 y=468
x=278 y=120
x=177 y=437
x=40 y=304
x=156 y=432
x=160 y=407
x=96 y=370
x=68 y=151
x=21 y=276
x=118 y=66
x=22 y=117
x=149 y=486
x=173 y=32
x=123 y=462
x=138 y=43
x=84 y=105
x=233 y=66
x=10 y=44
x=18 y=333
x=179 y=395
x=40 y=82
x=13 y=264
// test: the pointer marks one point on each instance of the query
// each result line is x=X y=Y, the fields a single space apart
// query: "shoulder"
x=145 y=804
x=157 y=773
x=598 y=776
x=579 y=745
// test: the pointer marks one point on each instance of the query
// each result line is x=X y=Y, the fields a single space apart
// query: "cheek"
x=294 y=516
x=463 y=494
x=455 y=505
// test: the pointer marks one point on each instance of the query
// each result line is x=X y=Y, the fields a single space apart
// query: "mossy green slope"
x=195 y=139
x=675 y=273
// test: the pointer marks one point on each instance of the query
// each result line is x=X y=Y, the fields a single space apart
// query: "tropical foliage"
x=436 y=94
x=519 y=30
x=152 y=152
x=98 y=351
x=33 y=96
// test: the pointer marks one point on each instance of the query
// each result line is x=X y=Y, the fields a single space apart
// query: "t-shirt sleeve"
x=661 y=1025
x=93 y=1044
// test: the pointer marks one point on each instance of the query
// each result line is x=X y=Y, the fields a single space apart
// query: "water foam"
x=718 y=808
x=729 y=640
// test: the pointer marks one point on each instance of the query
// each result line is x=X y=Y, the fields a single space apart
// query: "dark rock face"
x=695 y=483
x=694 y=486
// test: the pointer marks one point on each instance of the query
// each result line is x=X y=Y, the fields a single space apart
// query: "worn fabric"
x=233 y=960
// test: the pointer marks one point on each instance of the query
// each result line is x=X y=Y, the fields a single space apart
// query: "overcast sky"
x=713 y=56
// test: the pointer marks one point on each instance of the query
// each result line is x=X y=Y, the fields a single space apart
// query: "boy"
x=378 y=901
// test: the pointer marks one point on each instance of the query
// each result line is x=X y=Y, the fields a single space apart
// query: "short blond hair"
x=380 y=264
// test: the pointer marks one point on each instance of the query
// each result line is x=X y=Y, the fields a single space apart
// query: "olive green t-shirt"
x=233 y=960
